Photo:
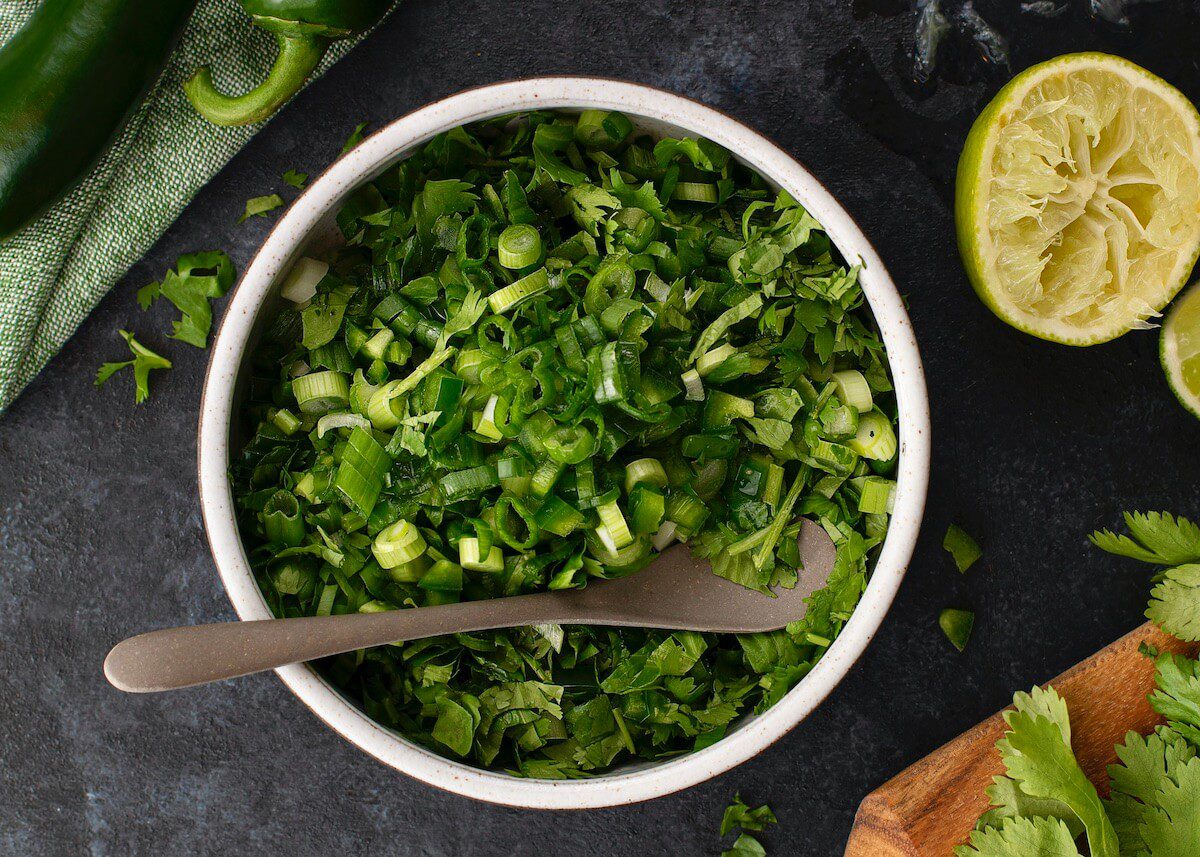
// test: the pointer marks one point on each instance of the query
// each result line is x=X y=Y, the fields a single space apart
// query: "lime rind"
x=1075 y=223
x=1179 y=349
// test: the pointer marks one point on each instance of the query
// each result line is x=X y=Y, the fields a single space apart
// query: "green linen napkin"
x=53 y=272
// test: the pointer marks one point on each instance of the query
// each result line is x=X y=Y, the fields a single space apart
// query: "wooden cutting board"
x=932 y=806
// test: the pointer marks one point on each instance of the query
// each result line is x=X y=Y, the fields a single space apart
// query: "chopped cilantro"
x=197 y=279
x=356 y=137
x=1161 y=539
x=144 y=360
x=739 y=815
x=296 y=179
x=964 y=549
x=957 y=626
x=260 y=205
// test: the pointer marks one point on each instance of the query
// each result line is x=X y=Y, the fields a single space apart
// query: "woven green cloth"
x=57 y=269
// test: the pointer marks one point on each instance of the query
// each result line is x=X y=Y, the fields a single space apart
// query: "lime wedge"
x=1180 y=349
x=1078 y=198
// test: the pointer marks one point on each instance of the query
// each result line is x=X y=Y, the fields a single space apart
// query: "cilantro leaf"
x=257 y=206
x=1022 y=837
x=1177 y=695
x=356 y=137
x=1037 y=755
x=964 y=549
x=1008 y=801
x=143 y=362
x=1175 y=602
x=1158 y=538
x=1148 y=766
x=1172 y=827
x=588 y=203
x=197 y=279
x=745 y=846
x=738 y=814
x=296 y=179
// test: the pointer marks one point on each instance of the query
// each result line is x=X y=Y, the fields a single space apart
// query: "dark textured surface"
x=1035 y=444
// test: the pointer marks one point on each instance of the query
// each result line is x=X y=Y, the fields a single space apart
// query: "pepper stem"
x=298 y=56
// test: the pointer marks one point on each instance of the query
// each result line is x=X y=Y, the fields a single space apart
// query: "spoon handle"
x=173 y=658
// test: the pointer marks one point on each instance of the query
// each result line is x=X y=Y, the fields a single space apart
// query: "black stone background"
x=1034 y=445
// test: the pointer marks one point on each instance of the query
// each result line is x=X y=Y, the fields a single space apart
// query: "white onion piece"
x=301 y=282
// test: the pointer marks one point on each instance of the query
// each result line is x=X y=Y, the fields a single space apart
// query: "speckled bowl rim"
x=283 y=245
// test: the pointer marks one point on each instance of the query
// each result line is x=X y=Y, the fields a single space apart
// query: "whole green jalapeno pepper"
x=304 y=30
x=69 y=81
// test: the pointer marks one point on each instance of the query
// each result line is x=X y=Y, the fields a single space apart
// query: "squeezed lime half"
x=1180 y=349
x=1078 y=198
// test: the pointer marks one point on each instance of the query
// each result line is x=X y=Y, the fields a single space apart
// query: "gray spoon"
x=675 y=592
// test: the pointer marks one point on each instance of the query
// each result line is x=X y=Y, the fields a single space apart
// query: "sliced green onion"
x=329 y=422
x=526 y=287
x=319 y=392
x=647 y=506
x=853 y=389
x=686 y=511
x=713 y=358
x=300 y=286
x=460 y=484
x=376 y=346
x=644 y=470
x=398 y=544
x=781 y=520
x=469 y=557
x=361 y=473
x=613 y=531
x=285 y=421
x=558 y=517
x=696 y=192
x=876 y=439
x=665 y=535
x=602 y=129
x=545 y=477
x=510 y=513
x=443 y=576
x=773 y=485
x=519 y=246
x=411 y=571
x=281 y=519
x=723 y=408
x=693 y=386
x=381 y=410
x=876 y=495
x=570 y=444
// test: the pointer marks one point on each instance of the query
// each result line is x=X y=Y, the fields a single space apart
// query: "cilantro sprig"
x=144 y=362
x=1162 y=539
x=740 y=817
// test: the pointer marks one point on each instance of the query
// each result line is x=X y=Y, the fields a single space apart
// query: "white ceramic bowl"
x=308 y=225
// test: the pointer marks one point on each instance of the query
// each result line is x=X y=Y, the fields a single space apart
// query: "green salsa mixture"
x=550 y=348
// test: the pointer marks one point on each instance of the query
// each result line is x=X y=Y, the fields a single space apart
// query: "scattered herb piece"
x=197 y=279
x=745 y=846
x=964 y=549
x=957 y=626
x=356 y=137
x=144 y=360
x=296 y=179
x=260 y=205
x=738 y=814
x=524 y=371
x=1161 y=539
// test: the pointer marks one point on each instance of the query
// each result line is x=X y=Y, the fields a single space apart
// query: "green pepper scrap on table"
x=303 y=30
x=69 y=81
x=550 y=348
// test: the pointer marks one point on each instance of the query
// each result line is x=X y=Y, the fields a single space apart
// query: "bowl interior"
x=314 y=231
